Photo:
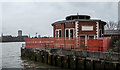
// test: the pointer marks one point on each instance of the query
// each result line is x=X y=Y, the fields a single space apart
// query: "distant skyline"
x=32 y=17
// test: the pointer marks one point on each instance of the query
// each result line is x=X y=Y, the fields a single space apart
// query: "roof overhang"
x=82 y=20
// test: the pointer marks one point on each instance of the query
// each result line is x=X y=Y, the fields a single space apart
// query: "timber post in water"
x=69 y=61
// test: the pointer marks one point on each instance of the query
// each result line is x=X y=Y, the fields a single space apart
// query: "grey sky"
x=32 y=17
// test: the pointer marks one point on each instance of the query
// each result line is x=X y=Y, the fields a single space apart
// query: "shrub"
x=115 y=44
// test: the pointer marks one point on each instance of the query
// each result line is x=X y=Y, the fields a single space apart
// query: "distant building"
x=118 y=27
x=10 y=38
x=112 y=33
x=19 y=32
x=39 y=36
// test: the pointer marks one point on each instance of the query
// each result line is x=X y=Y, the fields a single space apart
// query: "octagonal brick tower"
x=78 y=26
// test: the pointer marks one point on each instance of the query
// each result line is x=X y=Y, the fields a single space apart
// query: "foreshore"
x=37 y=65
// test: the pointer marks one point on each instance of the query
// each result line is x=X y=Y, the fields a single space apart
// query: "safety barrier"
x=67 y=43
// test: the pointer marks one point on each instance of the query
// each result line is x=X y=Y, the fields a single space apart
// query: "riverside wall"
x=71 y=59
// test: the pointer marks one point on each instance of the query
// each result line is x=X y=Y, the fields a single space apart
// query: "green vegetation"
x=115 y=44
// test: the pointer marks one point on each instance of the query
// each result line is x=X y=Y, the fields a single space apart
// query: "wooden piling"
x=117 y=66
x=47 y=55
x=93 y=66
x=85 y=64
x=81 y=64
x=62 y=61
x=55 y=58
x=109 y=66
x=42 y=58
x=35 y=57
x=51 y=61
x=68 y=61
x=76 y=63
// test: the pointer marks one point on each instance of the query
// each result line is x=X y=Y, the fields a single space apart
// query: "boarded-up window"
x=87 y=28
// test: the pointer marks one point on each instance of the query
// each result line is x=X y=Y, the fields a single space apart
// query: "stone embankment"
x=73 y=59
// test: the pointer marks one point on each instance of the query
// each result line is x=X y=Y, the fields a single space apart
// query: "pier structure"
x=78 y=42
x=76 y=31
x=72 y=59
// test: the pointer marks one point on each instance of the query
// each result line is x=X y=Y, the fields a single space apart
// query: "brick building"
x=79 y=26
x=76 y=31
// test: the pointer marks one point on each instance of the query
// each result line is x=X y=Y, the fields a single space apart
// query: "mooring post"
x=42 y=56
x=85 y=64
x=22 y=51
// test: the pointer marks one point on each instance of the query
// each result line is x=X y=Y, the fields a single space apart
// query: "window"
x=91 y=36
x=82 y=36
x=69 y=32
x=58 y=33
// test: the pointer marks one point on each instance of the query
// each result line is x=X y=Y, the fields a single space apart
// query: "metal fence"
x=67 y=43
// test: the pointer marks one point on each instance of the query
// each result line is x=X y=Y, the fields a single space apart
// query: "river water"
x=11 y=57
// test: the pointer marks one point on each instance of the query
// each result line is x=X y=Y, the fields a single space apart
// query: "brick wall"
x=87 y=24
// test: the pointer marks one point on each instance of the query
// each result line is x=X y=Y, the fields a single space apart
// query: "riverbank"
x=37 y=65
x=69 y=61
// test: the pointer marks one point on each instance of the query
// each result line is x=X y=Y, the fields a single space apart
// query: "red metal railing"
x=67 y=43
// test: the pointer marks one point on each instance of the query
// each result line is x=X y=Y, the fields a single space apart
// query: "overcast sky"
x=32 y=17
